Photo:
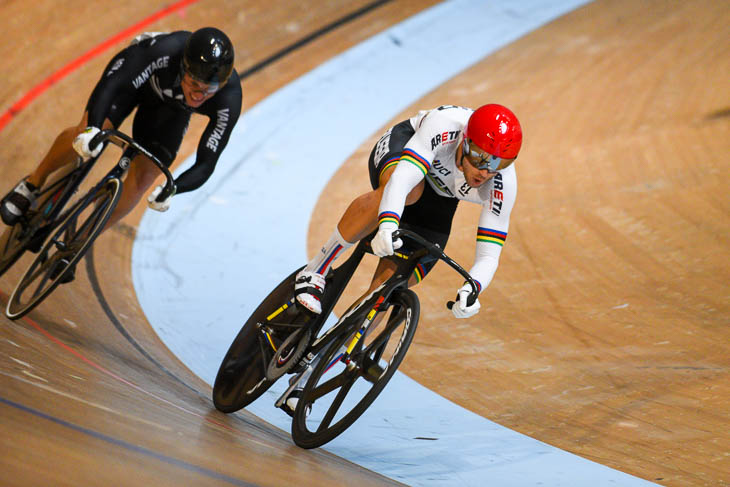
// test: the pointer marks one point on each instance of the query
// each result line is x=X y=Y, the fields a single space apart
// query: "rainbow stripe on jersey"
x=411 y=156
x=491 y=236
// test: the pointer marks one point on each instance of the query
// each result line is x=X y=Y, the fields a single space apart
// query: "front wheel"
x=12 y=246
x=64 y=248
x=338 y=392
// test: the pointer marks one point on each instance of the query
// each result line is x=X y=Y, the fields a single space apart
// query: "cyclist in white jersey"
x=420 y=169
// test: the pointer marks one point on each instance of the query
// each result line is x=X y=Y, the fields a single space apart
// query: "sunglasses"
x=483 y=160
x=198 y=87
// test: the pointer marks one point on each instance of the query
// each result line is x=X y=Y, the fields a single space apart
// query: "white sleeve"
x=405 y=177
x=493 y=228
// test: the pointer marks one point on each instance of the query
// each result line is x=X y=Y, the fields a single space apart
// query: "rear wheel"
x=30 y=234
x=66 y=245
x=270 y=344
x=338 y=392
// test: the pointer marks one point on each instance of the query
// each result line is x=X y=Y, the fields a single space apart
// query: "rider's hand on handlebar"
x=163 y=205
x=460 y=308
x=81 y=143
x=382 y=243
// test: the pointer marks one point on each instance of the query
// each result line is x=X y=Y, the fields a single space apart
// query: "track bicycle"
x=368 y=342
x=60 y=236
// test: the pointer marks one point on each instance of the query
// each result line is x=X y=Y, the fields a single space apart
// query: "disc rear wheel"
x=270 y=343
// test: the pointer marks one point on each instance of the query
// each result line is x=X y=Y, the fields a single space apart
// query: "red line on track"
x=93 y=364
x=108 y=372
x=38 y=89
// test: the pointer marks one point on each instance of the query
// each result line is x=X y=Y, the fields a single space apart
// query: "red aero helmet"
x=496 y=130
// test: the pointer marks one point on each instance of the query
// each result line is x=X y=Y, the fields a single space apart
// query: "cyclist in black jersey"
x=167 y=77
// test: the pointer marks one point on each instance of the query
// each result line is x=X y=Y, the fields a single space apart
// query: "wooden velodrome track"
x=605 y=332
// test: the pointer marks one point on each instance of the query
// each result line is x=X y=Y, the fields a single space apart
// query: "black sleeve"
x=223 y=110
x=116 y=82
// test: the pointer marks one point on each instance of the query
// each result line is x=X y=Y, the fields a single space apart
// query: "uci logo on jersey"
x=445 y=138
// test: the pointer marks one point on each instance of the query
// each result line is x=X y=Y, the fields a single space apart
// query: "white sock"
x=323 y=260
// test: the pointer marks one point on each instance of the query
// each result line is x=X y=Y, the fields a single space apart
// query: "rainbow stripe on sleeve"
x=422 y=164
x=491 y=236
x=389 y=216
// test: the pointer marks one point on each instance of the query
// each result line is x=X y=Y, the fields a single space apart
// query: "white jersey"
x=431 y=154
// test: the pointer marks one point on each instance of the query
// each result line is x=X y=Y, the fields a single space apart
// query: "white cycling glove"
x=163 y=205
x=460 y=309
x=81 y=143
x=382 y=243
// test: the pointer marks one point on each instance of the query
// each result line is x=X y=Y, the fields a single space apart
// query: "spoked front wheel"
x=66 y=245
x=338 y=392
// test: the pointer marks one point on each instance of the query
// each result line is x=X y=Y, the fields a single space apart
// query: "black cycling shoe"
x=68 y=276
x=17 y=202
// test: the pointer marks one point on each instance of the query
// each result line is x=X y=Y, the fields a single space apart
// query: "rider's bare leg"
x=60 y=153
x=361 y=217
x=141 y=175
x=359 y=220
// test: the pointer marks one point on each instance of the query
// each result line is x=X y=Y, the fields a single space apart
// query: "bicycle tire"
x=313 y=427
x=16 y=239
x=12 y=246
x=245 y=371
x=69 y=240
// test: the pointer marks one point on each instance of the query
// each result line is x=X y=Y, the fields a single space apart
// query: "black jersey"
x=148 y=73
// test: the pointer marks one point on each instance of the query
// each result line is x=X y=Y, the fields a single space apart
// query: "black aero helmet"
x=208 y=56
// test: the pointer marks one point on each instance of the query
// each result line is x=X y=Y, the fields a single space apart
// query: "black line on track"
x=311 y=37
x=94 y=280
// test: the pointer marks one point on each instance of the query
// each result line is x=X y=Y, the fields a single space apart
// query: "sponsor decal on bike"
x=406 y=325
x=124 y=162
x=348 y=314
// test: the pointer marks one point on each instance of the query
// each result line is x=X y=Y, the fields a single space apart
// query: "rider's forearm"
x=194 y=177
x=486 y=262
x=405 y=177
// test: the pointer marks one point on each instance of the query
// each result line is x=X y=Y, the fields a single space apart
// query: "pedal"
x=293 y=383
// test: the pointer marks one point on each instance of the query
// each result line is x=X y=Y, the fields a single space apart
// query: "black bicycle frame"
x=52 y=208
x=406 y=263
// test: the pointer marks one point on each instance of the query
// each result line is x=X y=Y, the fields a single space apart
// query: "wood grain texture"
x=605 y=331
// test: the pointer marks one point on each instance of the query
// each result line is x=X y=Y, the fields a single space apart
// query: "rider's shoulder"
x=442 y=118
x=160 y=42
